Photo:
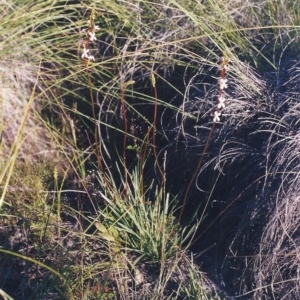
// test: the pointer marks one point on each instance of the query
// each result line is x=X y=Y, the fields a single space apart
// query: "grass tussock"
x=145 y=143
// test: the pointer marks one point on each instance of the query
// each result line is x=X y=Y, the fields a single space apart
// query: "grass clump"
x=143 y=220
x=146 y=244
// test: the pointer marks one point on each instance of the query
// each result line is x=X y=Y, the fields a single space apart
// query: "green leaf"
x=107 y=236
x=100 y=227
x=113 y=232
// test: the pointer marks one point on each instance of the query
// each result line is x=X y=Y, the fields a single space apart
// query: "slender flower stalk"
x=91 y=37
x=86 y=56
x=224 y=61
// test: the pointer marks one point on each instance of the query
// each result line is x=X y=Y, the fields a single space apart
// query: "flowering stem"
x=221 y=104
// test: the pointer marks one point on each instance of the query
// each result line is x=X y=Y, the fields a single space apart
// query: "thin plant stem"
x=154 y=129
x=196 y=171
x=123 y=107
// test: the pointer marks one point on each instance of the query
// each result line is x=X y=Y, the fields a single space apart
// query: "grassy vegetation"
x=145 y=143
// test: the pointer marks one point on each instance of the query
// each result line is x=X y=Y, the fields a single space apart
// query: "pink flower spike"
x=217 y=115
x=223 y=84
x=221 y=103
